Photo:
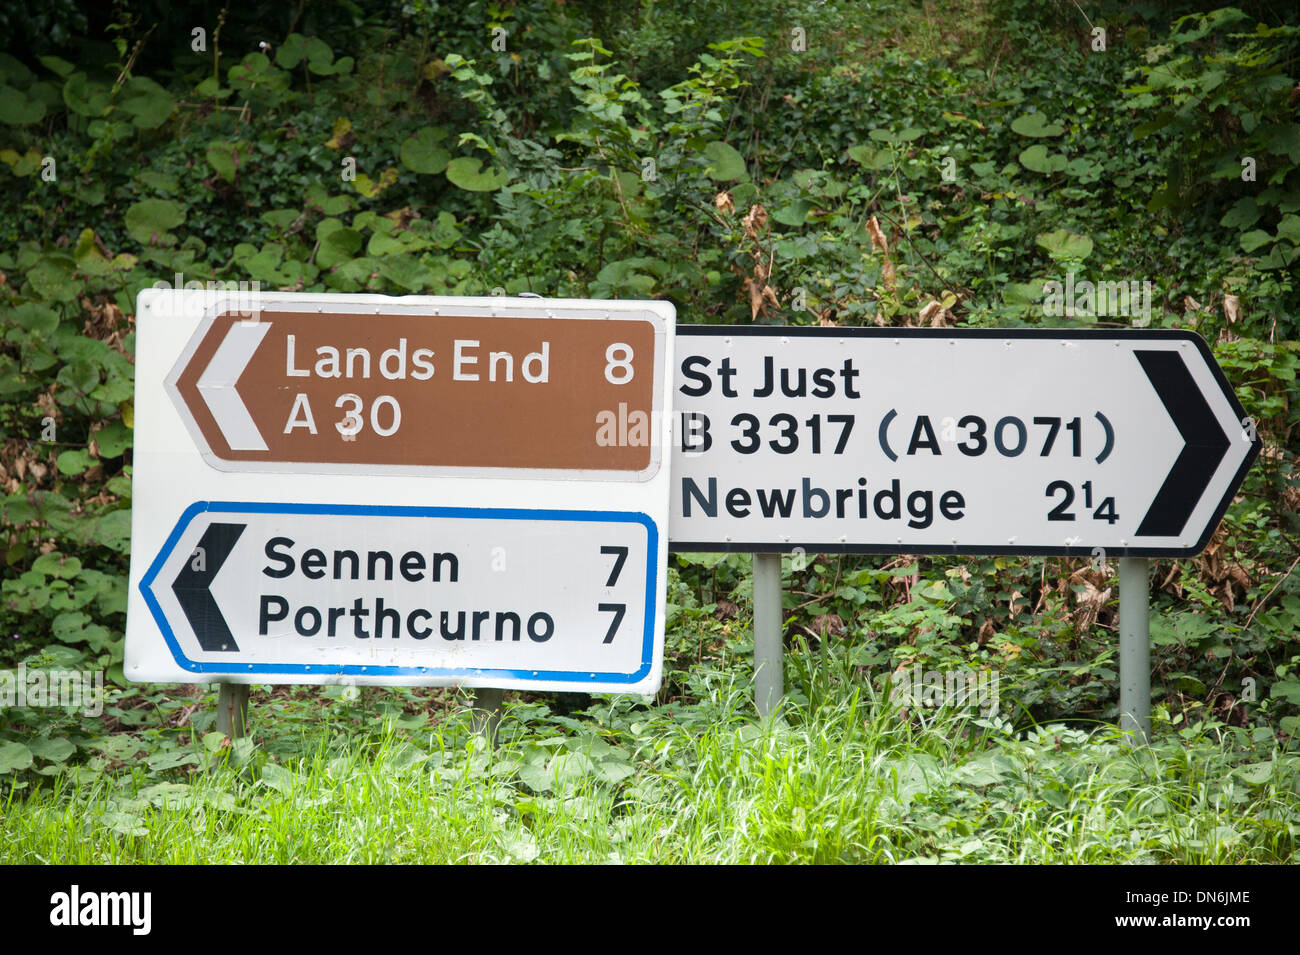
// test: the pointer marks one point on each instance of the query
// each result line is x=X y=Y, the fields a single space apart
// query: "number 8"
x=618 y=371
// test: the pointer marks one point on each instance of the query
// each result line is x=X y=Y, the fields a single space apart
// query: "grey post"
x=768 y=632
x=232 y=709
x=1134 y=649
x=486 y=715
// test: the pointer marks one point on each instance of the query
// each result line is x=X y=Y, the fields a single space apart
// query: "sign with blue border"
x=439 y=595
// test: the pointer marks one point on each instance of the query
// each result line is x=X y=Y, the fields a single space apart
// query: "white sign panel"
x=432 y=560
x=952 y=441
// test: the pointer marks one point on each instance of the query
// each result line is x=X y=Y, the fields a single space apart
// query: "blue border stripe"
x=470 y=513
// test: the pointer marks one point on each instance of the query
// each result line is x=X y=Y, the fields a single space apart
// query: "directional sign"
x=475 y=389
x=952 y=441
x=417 y=490
x=496 y=597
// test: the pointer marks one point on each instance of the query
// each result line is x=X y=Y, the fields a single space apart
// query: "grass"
x=842 y=777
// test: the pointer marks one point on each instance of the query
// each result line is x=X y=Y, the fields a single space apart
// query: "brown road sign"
x=339 y=390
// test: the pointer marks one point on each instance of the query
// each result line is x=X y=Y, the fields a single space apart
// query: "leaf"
x=14 y=757
x=794 y=214
x=342 y=128
x=1289 y=228
x=1038 y=159
x=74 y=462
x=84 y=97
x=17 y=110
x=40 y=319
x=291 y=51
x=56 y=65
x=1244 y=213
x=1065 y=245
x=1035 y=124
x=148 y=104
x=55 y=750
x=223 y=157
x=724 y=162
x=1251 y=241
x=420 y=153
x=466 y=172
x=149 y=219
x=338 y=246
x=52 y=278
x=113 y=439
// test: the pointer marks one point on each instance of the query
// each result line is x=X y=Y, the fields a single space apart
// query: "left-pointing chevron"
x=193 y=587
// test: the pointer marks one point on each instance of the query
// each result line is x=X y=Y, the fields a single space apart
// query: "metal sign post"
x=769 y=631
x=1134 y=649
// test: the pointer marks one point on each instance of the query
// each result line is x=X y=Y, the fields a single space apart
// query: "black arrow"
x=1204 y=446
x=193 y=587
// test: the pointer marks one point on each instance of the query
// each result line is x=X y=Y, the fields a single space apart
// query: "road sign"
x=461 y=390
x=455 y=594
x=952 y=441
x=482 y=542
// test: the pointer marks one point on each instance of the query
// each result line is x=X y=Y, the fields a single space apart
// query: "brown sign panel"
x=350 y=392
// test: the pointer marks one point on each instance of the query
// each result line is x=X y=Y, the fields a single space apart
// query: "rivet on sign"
x=728 y=537
x=784 y=340
x=841 y=341
x=844 y=538
x=727 y=342
x=786 y=538
x=1011 y=540
x=954 y=540
x=900 y=540
x=534 y=673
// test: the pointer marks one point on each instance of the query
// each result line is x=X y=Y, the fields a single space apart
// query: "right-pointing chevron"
x=1203 y=450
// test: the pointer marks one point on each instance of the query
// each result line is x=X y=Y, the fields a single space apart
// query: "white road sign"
x=952 y=441
x=437 y=553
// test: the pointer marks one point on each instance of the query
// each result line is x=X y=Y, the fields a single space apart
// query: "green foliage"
x=903 y=164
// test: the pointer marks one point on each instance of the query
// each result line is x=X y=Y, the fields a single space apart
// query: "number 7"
x=618 y=564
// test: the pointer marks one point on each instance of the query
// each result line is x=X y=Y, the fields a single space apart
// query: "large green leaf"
x=337 y=246
x=17 y=110
x=86 y=97
x=149 y=219
x=14 y=757
x=421 y=153
x=467 y=173
x=1035 y=124
x=222 y=157
x=147 y=103
x=1038 y=159
x=52 y=278
x=1061 y=244
x=724 y=162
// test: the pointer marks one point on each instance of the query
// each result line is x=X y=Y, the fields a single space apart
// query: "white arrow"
x=217 y=385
